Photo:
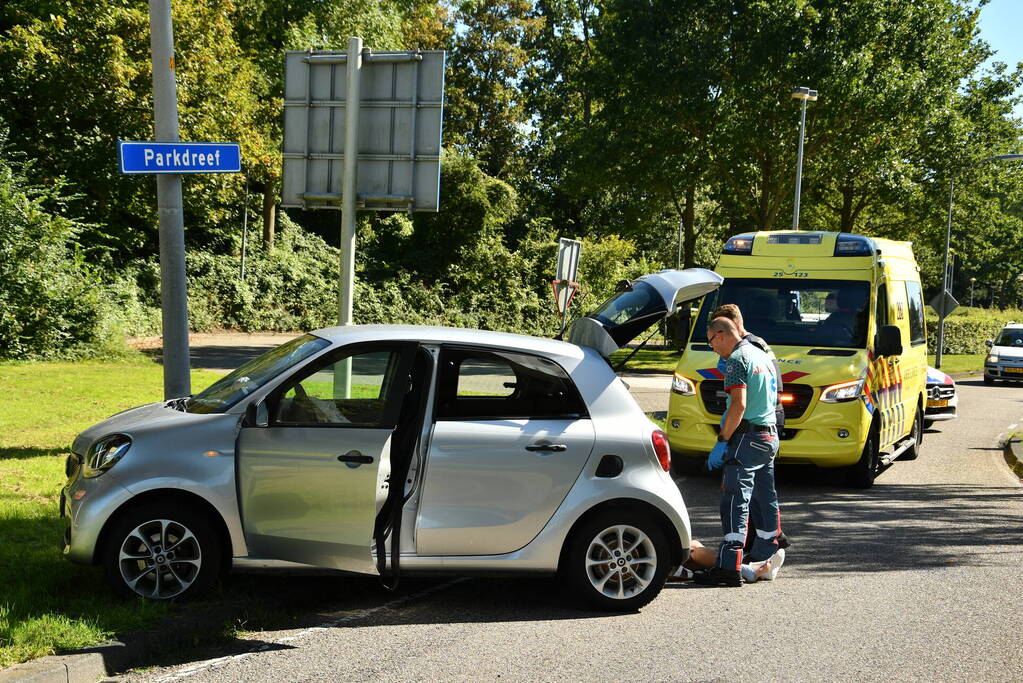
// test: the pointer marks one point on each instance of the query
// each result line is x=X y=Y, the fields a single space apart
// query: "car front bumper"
x=1004 y=371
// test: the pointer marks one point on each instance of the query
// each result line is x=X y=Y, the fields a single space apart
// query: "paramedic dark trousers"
x=749 y=474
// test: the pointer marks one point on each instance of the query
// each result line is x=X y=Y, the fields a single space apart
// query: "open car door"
x=312 y=479
x=644 y=303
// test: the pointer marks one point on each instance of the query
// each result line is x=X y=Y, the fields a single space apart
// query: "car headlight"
x=105 y=453
x=681 y=384
x=844 y=391
x=992 y=358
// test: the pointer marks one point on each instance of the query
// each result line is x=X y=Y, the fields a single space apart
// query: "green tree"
x=484 y=110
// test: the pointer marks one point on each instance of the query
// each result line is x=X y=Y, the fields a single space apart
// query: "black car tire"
x=989 y=380
x=913 y=452
x=580 y=575
x=161 y=551
x=928 y=424
x=862 y=474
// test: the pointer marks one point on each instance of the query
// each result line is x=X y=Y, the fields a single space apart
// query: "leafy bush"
x=966 y=329
x=52 y=303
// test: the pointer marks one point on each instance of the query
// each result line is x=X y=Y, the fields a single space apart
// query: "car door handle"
x=547 y=447
x=355 y=457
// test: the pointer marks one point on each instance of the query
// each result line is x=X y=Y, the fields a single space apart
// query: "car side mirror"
x=888 y=341
x=989 y=343
x=257 y=415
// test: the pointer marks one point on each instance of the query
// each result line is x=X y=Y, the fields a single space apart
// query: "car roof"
x=351 y=334
x=1013 y=326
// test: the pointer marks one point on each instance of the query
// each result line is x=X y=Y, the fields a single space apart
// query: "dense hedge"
x=967 y=329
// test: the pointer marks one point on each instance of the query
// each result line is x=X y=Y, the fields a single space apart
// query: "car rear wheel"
x=862 y=474
x=159 y=552
x=617 y=561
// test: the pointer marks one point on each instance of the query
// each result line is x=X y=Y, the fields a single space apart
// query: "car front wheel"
x=159 y=552
x=617 y=561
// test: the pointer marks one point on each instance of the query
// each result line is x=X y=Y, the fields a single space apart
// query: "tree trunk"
x=269 y=217
x=845 y=217
x=689 y=228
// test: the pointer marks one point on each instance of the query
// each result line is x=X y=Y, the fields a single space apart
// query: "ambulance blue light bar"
x=854 y=245
x=739 y=244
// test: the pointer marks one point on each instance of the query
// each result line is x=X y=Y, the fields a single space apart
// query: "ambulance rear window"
x=785 y=312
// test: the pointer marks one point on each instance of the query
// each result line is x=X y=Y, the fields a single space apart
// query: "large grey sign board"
x=401 y=97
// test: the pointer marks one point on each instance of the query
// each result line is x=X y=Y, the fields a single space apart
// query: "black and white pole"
x=173 y=289
x=806 y=95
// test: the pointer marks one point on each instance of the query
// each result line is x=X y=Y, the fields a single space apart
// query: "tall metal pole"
x=944 y=276
x=348 y=199
x=173 y=289
x=799 y=167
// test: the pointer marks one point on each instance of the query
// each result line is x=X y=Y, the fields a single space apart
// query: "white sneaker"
x=777 y=560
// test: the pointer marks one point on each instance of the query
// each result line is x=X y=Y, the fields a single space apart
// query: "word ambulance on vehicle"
x=844 y=315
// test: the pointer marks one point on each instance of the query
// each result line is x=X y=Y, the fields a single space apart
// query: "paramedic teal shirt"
x=750 y=367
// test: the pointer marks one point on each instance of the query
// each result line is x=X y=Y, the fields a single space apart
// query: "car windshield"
x=1010 y=338
x=255 y=373
x=817 y=313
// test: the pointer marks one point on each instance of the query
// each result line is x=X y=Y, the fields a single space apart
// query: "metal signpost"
x=564 y=284
x=386 y=107
x=168 y=159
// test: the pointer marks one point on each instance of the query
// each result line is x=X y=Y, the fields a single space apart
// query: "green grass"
x=48 y=604
x=959 y=364
x=650 y=360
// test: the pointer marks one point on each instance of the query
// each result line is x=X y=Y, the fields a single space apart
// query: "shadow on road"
x=890 y=527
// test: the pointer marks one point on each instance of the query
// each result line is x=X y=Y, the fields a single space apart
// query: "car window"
x=1010 y=338
x=824 y=313
x=916 y=313
x=351 y=390
x=255 y=373
x=482 y=384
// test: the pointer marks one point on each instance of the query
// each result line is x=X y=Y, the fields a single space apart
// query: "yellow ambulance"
x=844 y=315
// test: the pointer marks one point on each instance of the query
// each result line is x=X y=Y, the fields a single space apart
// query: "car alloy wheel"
x=621 y=562
x=160 y=559
x=158 y=554
x=617 y=560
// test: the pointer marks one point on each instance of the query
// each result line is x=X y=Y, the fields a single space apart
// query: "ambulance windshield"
x=814 y=313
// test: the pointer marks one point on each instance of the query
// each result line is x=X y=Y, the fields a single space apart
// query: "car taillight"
x=660 y=442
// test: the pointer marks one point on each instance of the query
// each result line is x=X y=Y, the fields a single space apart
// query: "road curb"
x=77 y=668
x=1014 y=454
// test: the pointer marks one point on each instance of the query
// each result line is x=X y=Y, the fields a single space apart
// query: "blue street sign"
x=179 y=157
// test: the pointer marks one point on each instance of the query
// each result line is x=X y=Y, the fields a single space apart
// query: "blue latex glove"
x=717 y=455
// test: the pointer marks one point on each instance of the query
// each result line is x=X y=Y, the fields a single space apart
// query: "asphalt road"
x=921 y=577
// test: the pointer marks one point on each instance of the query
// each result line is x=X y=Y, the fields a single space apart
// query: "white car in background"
x=1005 y=357
x=942 y=399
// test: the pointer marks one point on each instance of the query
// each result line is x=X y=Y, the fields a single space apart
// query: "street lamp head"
x=809 y=95
x=972 y=280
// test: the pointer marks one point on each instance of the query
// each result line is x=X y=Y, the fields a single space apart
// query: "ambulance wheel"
x=862 y=474
x=913 y=452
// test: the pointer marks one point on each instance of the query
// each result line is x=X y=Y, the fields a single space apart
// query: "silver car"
x=375 y=449
x=1005 y=355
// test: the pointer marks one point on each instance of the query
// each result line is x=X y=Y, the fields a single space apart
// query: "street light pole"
x=948 y=239
x=804 y=94
x=972 y=281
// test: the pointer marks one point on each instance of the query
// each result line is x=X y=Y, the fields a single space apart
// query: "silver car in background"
x=379 y=449
x=1005 y=355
